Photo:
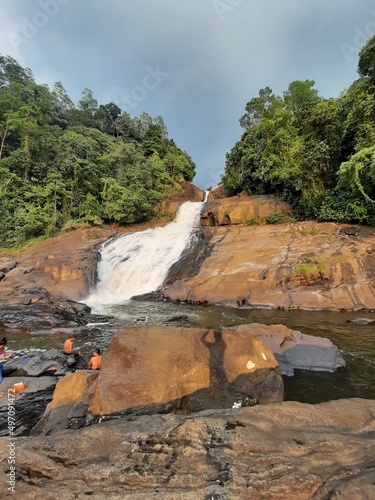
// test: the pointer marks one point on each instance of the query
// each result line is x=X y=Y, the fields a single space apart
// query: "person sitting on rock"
x=96 y=361
x=3 y=343
x=68 y=346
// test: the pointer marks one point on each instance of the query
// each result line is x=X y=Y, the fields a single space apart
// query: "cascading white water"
x=137 y=263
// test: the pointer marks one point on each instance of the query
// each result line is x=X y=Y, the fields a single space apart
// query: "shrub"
x=275 y=218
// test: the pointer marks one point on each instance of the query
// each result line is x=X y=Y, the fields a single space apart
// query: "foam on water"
x=137 y=263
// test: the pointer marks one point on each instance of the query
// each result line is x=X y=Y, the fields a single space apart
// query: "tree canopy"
x=61 y=163
x=318 y=154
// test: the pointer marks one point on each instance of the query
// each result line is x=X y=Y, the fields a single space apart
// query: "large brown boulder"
x=189 y=192
x=243 y=209
x=308 y=265
x=280 y=451
x=71 y=399
x=155 y=369
x=216 y=193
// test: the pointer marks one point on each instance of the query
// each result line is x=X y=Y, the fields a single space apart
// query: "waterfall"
x=137 y=263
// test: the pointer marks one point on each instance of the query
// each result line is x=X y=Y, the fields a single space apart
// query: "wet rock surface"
x=295 y=350
x=279 y=451
x=362 y=321
x=36 y=364
x=28 y=405
x=34 y=309
x=39 y=372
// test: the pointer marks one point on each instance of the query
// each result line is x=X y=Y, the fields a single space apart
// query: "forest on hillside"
x=317 y=154
x=63 y=165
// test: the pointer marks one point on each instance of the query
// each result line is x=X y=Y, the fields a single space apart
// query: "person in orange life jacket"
x=68 y=346
x=3 y=343
x=96 y=361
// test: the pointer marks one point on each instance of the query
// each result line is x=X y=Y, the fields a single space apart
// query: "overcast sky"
x=196 y=63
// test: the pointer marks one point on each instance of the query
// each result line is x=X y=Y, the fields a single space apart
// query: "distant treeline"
x=318 y=154
x=62 y=164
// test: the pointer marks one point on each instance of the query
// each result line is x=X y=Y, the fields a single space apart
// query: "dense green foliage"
x=61 y=163
x=318 y=154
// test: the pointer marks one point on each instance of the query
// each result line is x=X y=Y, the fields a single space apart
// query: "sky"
x=196 y=63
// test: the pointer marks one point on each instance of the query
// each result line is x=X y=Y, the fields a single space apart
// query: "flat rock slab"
x=280 y=451
x=362 y=321
x=296 y=350
x=36 y=363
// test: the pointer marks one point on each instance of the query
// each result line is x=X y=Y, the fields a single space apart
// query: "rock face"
x=36 y=364
x=217 y=193
x=289 y=266
x=242 y=210
x=29 y=404
x=149 y=370
x=69 y=406
x=296 y=350
x=172 y=204
x=280 y=451
x=34 y=310
x=65 y=266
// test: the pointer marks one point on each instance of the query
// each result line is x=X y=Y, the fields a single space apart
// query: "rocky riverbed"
x=278 y=451
x=204 y=448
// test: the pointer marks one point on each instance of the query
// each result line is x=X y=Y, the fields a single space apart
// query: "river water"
x=356 y=342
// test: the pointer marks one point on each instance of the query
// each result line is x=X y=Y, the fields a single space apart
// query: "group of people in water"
x=94 y=363
x=96 y=360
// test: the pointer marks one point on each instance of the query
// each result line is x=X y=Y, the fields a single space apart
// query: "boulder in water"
x=180 y=320
x=361 y=321
x=158 y=369
x=295 y=350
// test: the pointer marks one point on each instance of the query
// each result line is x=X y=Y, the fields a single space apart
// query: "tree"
x=63 y=105
x=106 y=116
x=366 y=64
x=260 y=108
x=87 y=163
x=87 y=106
x=301 y=97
